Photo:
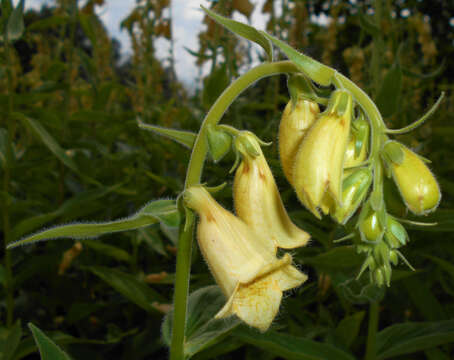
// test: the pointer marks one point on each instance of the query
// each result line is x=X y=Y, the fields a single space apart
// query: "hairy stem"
x=193 y=177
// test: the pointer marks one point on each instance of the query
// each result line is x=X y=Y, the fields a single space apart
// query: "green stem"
x=193 y=177
x=371 y=350
x=9 y=284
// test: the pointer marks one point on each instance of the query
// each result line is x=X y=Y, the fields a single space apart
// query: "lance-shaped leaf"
x=315 y=70
x=48 y=140
x=47 y=348
x=163 y=211
x=70 y=208
x=15 y=27
x=244 y=30
x=131 y=288
x=389 y=95
x=411 y=337
x=182 y=137
x=290 y=347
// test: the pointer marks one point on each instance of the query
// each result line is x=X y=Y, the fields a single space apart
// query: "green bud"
x=395 y=234
x=416 y=184
x=393 y=257
x=370 y=228
x=355 y=186
x=219 y=142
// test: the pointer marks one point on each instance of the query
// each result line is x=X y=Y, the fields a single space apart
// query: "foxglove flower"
x=243 y=263
x=257 y=199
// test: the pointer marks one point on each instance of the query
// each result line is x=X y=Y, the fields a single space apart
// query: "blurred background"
x=72 y=87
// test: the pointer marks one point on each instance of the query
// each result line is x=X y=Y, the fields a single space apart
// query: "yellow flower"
x=296 y=121
x=318 y=166
x=417 y=185
x=257 y=199
x=243 y=263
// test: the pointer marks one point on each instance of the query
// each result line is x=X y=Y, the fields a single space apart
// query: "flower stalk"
x=193 y=177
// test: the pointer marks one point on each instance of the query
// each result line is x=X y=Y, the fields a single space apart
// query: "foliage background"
x=71 y=151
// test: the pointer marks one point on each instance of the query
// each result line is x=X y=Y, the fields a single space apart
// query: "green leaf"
x=202 y=329
x=367 y=24
x=290 y=347
x=424 y=300
x=341 y=257
x=130 y=287
x=16 y=26
x=10 y=342
x=445 y=265
x=4 y=148
x=315 y=70
x=348 y=328
x=108 y=250
x=246 y=31
x=163 y=211
x=185 y=138
x=28 y=346
x=389 y=95
x=71 y=207
x=411 y=337
x=48 y=140
x=47 y=348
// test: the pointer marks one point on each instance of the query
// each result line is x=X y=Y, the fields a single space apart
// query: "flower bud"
x=243 y=263
x=296 y=121
x=370 y=228
x=355 y=187
x=319 y=162
x=257 y=199
x=395 y=234
x=416 y=184
x=356 y=152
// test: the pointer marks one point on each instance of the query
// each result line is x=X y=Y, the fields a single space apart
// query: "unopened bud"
x=318 y=164
x=296 y=121
x=416 y=184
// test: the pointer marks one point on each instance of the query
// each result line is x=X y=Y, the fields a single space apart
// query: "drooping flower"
x=243 y=263
x=296 y=120
x=318 y=166
x=257 y=199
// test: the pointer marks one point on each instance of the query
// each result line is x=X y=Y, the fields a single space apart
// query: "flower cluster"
x=241 y=251
x=327 y=159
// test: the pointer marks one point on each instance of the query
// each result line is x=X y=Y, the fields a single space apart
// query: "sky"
x=187 y=23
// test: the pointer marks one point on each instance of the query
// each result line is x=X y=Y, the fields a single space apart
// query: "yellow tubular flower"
x=243 y=263
x=257 y=199
x=296 y=121
x=417 y=185
x=319 y=162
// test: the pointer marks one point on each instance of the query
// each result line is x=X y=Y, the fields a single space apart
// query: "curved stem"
x=377 y=125
x=193 y=177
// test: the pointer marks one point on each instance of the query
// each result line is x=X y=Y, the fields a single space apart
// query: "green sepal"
x=315 y=70
x=395 y=235
x=219 y=142
x=392 y=151
x=185 y=138
x=340 y=103
x=300 y=87
x=361 y=130
x=243 y=30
